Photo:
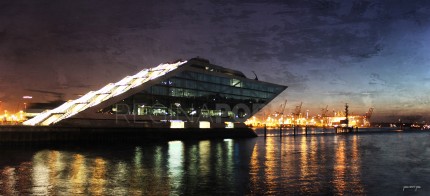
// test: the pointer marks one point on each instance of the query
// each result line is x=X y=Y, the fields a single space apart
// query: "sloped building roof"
x=94 y=98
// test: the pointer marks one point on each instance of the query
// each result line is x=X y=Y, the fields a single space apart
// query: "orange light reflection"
x=98 y=177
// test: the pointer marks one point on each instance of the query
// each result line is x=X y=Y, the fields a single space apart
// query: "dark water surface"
x=395 y=163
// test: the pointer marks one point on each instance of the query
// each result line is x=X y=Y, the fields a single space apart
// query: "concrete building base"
x=114 y=134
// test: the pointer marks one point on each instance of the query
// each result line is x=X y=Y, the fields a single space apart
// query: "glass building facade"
x=179 y=90
x=196 y=93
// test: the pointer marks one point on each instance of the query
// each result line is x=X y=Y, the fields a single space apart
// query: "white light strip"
x=141 y=74
x=124 y=81
x=106 y=89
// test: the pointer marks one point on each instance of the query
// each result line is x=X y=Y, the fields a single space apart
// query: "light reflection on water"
x=332 y=164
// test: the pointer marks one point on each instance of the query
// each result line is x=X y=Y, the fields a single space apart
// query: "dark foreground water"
x=353 y=164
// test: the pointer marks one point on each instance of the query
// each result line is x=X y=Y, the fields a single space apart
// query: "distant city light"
x=27 y=97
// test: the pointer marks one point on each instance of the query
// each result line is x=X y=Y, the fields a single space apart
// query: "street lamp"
x=25 y=104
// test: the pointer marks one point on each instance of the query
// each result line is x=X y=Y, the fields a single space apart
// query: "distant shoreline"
x=275 y=131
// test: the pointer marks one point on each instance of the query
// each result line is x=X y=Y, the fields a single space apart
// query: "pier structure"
x=119 y=135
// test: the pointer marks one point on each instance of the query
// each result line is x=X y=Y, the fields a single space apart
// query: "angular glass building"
x=193 y=93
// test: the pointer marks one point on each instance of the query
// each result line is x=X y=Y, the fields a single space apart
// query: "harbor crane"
x=324 y=114
x=298 y=110
x=282 y=111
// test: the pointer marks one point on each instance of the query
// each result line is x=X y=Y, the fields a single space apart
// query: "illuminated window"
x=235 y=83
x=177 y=92
x=177 y=124
x=189 y=93
x=229 y=125
x=204 y=124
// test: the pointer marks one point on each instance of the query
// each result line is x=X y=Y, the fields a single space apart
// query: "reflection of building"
x=190 y=93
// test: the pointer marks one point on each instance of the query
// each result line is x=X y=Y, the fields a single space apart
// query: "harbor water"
x=389 y=163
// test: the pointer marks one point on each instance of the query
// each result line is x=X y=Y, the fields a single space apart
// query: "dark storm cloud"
x=322 y=29
x=325 y=23
x=47 y=27
x=327 y=29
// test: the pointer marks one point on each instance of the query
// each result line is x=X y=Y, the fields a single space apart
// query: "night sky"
x=364 y=53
